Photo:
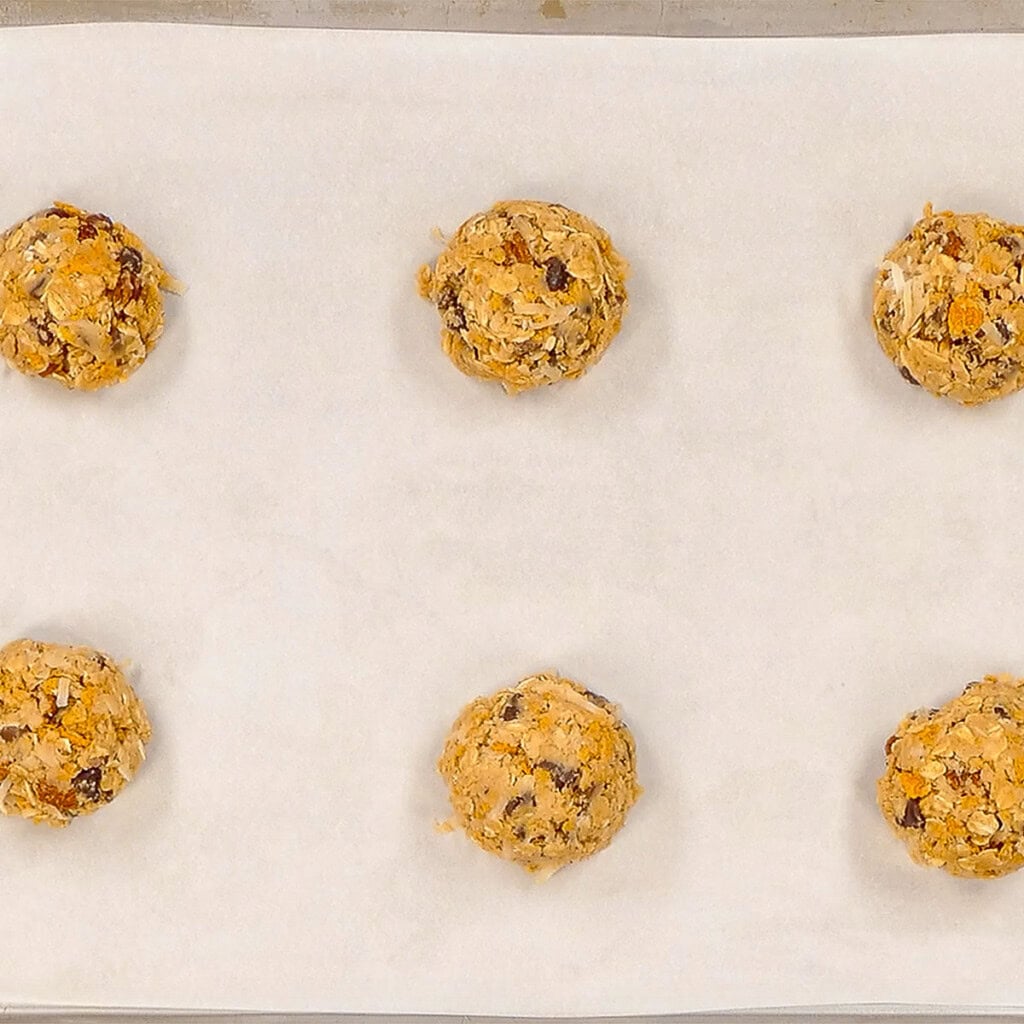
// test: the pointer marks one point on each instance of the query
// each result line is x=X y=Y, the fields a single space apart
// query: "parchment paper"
x=315 y=540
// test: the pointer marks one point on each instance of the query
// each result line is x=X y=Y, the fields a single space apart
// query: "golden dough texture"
x=953 y=788
x=949 y=306
x=80 y=298
x=72 y=731
x=541 y=774
x=529 y=293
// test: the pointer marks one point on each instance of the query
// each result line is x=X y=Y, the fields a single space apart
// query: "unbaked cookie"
x=949 y=306
x=72 y=731
x=80 y=298
x=542 y=773
x=529 y=293
x=953 y=788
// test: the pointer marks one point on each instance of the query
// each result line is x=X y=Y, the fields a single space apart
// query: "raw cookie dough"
x=953 y=788
x=949 y=306
x=79 y=298
x=542 y=773
x=71 y=731
x=529 y=293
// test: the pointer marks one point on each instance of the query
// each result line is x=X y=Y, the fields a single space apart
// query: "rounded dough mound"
x=71 y=731
x=541 y=774
x=953 y=788
x=529 y=293
x=948 y=307
x=80 y=298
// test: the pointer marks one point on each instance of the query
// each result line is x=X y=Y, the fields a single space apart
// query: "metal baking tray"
x=680 y=18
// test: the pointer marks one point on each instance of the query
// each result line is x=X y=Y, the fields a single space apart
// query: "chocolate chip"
x=1001 y=711
x=54 y=211
x=451 y=310
x=555 y=275
x=912 y=816
x=87 y=782
x=86 y=231
x=519 y=801
x=12 y=732
x=520 y=833
x=908 y=376
x=562 y=776
x=59 y=360
x=510 y=712
x=43 y=331
x=100 y=220
x=1003 y=328
x=131 y=259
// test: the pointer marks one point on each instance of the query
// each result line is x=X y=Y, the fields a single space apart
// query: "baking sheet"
x=315 y=540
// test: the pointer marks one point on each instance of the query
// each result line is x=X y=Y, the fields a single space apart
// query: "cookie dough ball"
x=953 y=788
x=542 y=773
x=948 y=307
x=80 y=298
x=71 y=731
x=529 y=293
